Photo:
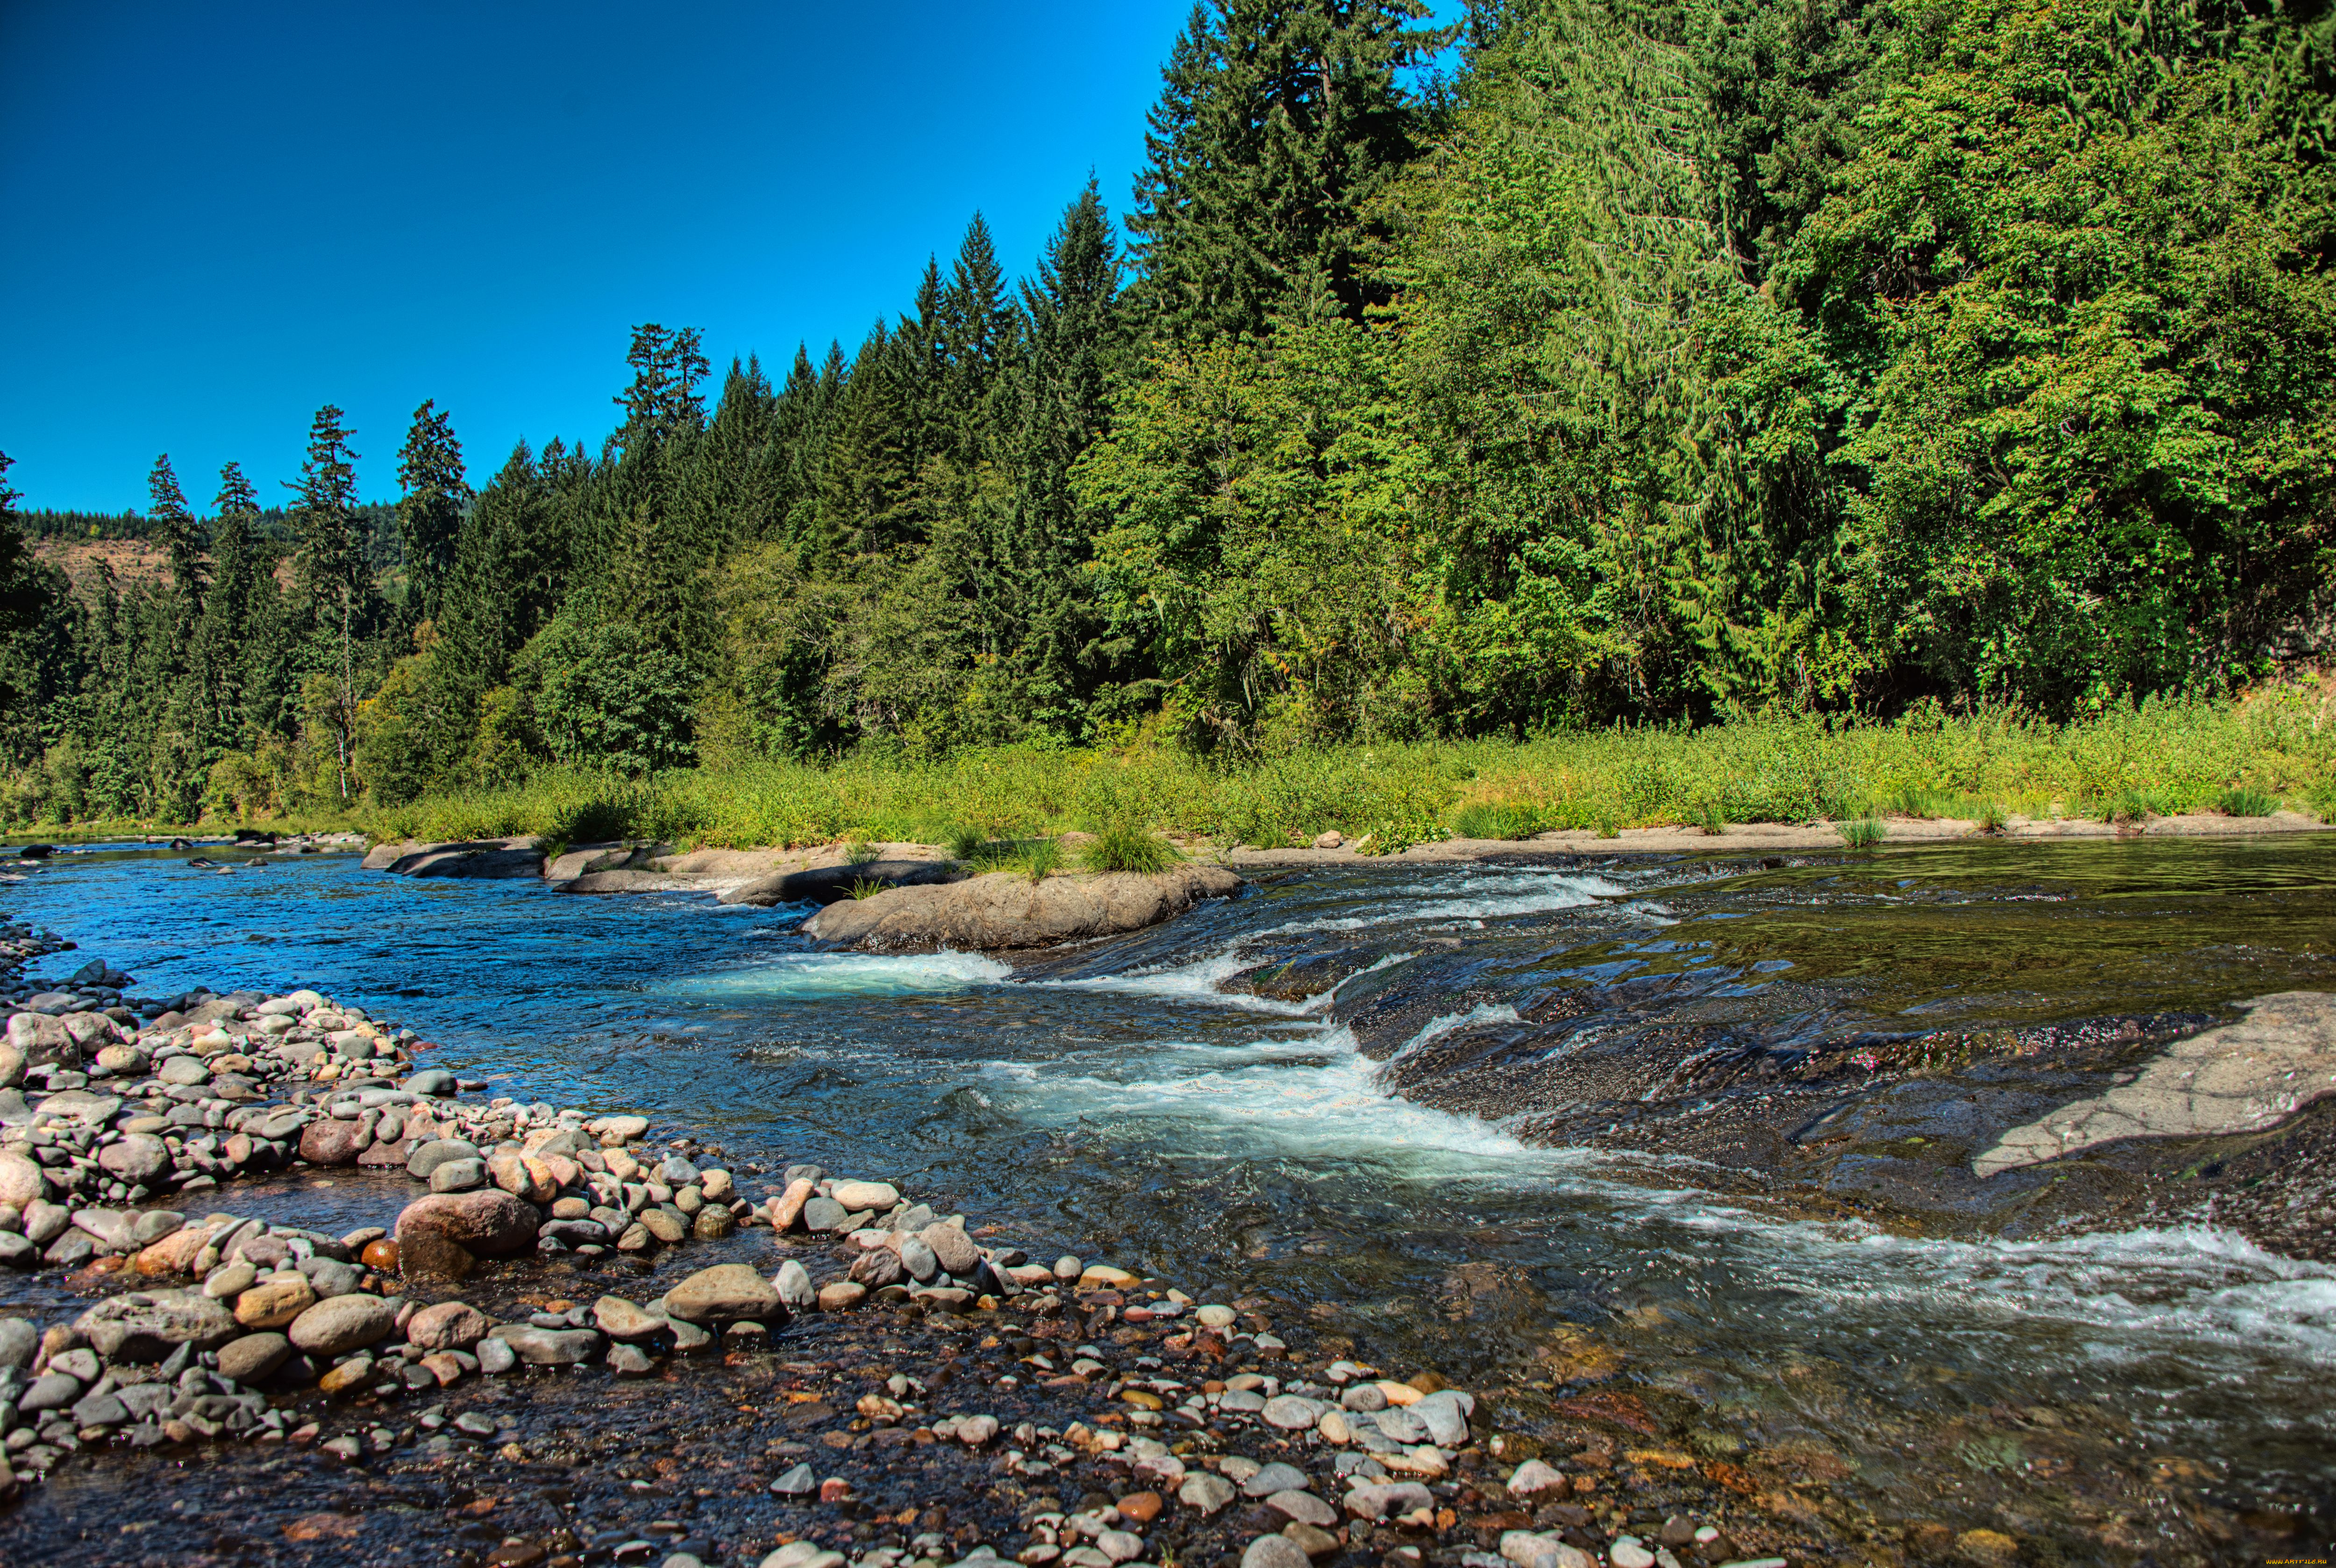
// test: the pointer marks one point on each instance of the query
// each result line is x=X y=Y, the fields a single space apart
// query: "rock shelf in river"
x=1006 y=910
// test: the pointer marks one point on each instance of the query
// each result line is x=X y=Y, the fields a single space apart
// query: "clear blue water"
x=1119 y=1103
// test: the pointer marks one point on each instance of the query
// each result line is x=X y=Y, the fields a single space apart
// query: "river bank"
x=1180 y=1104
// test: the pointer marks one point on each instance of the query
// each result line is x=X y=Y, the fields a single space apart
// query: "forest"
x=1593 y=362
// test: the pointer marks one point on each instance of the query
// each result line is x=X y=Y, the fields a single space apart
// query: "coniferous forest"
x=1596 y=360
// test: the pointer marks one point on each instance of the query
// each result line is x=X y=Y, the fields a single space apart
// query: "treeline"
x=1652 y=360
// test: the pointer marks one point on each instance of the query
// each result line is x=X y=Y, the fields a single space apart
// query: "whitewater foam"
x=812 y=976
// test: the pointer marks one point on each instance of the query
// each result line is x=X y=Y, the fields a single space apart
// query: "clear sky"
x=219 y=216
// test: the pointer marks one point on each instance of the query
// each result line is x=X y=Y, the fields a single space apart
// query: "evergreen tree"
x=430 y=511
x=977 y=336
x=330 y=567
x=1076 y=344
x=1278 y=128
x=175 y=528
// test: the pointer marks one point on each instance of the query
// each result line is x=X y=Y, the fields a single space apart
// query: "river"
x=1475 y=1117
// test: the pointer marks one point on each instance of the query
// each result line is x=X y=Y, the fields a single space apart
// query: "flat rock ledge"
x=1006 y=910
x=2242 y=1077
x=519 y=857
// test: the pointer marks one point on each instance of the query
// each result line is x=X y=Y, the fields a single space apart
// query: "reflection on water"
x=1142 y=1100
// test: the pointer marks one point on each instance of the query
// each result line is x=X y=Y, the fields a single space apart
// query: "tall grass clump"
x=1863 y=835
x=1122 y=846
x=2243 y=801
x=1040 y=857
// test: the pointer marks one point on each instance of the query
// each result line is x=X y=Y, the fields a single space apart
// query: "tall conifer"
x=430 y=511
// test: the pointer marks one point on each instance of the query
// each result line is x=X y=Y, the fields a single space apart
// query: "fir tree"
x=331 y=567
x=430 y=511
x=176 y=530
x=1278 y=128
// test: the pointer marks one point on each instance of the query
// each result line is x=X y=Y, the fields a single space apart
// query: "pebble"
x=1533 y=1477
x=1273 y=1552
x=1305 y=1508
x=1205 y=1492
x=1276 y=1477
x=1528 y=1550
x=1627 y=1552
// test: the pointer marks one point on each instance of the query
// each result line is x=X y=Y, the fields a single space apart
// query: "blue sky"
x=221 y=217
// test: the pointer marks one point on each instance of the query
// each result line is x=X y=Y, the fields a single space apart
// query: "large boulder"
x=1006 y=910
x=148 y=1325
x=442 y=1235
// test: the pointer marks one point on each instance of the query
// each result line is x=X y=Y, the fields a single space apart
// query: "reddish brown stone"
x=327 y=1142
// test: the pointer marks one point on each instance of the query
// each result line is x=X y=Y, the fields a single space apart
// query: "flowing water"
x=1548 y=1128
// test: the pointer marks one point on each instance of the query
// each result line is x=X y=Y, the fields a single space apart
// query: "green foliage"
x=1127 y=846
x=1863 y=833
x=2242 y=802
x=608 y=697
x=1990 y=819
x=859 y=851
x=865 y=887
x=1497 y=820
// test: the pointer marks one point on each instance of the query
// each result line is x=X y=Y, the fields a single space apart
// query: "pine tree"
x=662 y=399
x=430 y=511
x=221 y=655
x=330 y=565
x=176 y=528
x=977 y=334
x=1277 y=130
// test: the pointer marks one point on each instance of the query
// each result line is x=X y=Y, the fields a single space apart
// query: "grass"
x=1496 y=820
x=1991 y=818
x=1125 y=847
x=2242 y=802
x=1041 y=856
x=866 y=886
x=2156 y=757
x=859 y=852
x=1863 y=833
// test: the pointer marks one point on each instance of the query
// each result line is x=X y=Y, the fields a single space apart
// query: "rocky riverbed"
x=1136 y=1424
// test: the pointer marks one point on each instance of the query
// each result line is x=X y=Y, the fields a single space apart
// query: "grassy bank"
x=2277 y=747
